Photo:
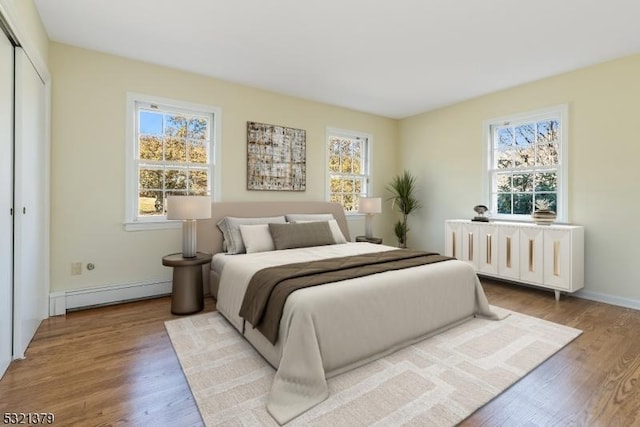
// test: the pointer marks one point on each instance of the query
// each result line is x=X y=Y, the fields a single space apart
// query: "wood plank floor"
x=115 y=366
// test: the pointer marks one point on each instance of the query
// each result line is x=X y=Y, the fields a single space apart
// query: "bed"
x=329 y=329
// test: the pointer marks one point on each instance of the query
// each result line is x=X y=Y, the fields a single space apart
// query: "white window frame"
x=133 y=222
x=561 y=112
x=331 y=131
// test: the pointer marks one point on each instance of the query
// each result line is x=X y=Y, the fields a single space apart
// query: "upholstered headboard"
x=210 y=236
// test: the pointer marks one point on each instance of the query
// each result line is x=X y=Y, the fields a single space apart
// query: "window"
x=170 y=152
x=526 y=163
x=348 y=167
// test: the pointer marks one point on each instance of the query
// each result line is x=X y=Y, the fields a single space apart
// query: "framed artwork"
x=276 y=158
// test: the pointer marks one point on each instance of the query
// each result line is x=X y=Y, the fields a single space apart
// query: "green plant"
x=543 y=205
x=402 y=189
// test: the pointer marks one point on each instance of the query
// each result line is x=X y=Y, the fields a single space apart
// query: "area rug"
x=437 y=382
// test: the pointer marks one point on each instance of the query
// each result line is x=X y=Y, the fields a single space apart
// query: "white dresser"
x=550 y=256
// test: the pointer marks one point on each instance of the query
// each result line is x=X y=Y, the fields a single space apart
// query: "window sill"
x=524 y=219
x=152 y=225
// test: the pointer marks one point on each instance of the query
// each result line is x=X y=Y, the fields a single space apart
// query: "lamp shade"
x=188 y=207
x=370 y=205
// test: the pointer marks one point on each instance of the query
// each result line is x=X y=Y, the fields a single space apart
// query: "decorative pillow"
x=256 y=238
x=301 y=235
x=338 y=237
x=230 y=227
x=309 y=217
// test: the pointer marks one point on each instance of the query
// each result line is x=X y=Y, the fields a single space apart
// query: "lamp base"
x=368 y=225
x=189 y=238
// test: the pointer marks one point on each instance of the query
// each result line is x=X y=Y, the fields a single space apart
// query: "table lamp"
x=188 y=209
x=369 y=206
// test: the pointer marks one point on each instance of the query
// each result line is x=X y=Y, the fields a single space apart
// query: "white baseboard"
x=60 y=302
x=582 y=293
x=608 y=299
x=57 y=303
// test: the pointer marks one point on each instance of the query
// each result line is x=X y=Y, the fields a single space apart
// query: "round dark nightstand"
x=376 y=240
x=187 y=296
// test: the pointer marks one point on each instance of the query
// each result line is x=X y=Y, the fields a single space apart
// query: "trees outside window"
x=526 y=163
x=347 y=167
x=171 y=152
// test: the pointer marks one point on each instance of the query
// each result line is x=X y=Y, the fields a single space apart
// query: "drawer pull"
x=531 y=259
x=556 y=258
x=453 y=244
x=489 y=249
x=508 y=252
x=470 y=246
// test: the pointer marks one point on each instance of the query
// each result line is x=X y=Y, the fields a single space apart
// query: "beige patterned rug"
x=437 y=382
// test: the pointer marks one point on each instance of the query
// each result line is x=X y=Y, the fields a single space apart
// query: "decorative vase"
x=543 y=216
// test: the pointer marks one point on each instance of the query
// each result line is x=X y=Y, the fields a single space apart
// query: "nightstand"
x=376 y=240
x=187 y=295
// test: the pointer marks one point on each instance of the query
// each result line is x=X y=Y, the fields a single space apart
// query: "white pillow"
x=230 y=227
x=337 y=233
x=309 y=217
x=257 y=238
x=338 y=237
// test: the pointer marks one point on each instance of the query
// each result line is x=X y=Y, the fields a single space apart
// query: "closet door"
x=6 y=201
x=30 y=284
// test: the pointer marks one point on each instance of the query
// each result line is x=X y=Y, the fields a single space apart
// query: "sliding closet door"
x=6 y=201
x=30 y=285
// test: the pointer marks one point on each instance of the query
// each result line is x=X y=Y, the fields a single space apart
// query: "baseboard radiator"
x=77 y=299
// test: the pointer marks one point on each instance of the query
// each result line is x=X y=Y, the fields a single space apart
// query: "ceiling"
x=392 y=58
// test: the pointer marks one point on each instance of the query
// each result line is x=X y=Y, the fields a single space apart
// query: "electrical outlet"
x=76 y=268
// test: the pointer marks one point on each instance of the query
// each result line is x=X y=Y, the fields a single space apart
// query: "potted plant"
x=402 y=189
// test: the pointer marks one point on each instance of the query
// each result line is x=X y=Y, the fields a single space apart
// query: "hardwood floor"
x=594 y=381
x=108 y=366
x=115 y=366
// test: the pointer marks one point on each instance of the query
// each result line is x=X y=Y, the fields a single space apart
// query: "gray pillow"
x=230 y=227
x=338 y=237
x=301 y=235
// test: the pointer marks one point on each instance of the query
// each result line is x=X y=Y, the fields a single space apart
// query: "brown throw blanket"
x=269 y=288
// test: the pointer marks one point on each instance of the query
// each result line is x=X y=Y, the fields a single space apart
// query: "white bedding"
x=328 y=329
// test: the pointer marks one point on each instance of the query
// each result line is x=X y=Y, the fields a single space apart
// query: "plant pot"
x=543 y=216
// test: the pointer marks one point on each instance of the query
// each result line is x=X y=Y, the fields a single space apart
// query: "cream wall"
x=88 y=160
x=444 y=149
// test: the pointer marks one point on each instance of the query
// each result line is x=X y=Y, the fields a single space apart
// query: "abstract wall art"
x=276 y=157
